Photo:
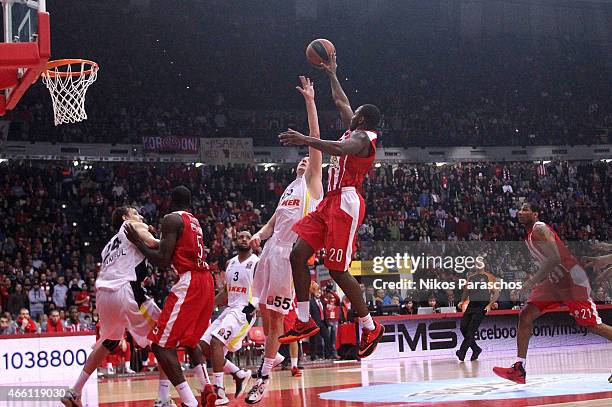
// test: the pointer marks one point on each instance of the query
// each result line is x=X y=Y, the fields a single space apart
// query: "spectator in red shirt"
x=81 y=300
x=25 y=324
x=55 y=324
x=72 y=323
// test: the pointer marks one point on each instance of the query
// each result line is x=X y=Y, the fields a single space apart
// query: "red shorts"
x=187 y=311
x=289 y=320
x=333 y=226
x=576 y=297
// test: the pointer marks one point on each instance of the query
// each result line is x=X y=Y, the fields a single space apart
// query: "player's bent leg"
x=101 y=351
x=516 y=372
x=372 y=331
x=299 y=256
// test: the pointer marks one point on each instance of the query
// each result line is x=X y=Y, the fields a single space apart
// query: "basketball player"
x=559 y=280
x=272 y=286
x=481 y=301
x=121 y=301
x=188 y=308
x=229 y=329
x=334 y=224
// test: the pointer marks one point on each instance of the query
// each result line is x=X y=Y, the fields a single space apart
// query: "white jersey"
x=121 y=262
x=239 y=279
x=295 y=203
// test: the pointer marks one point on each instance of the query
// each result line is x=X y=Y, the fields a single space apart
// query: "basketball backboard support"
x=24 y=50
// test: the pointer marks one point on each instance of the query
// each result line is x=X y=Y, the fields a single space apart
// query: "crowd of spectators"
x=55 y=219
x=441 y=90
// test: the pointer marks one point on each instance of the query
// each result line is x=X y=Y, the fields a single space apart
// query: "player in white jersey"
x=121 y=301
x=273 y=285
x=229 y=329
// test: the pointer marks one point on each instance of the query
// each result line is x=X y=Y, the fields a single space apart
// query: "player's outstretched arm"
x=146 y=236
x=358 y=144
x=340 y=99
x=313 y=174
x=172 y=225
x=548 y=246
x=264 y=233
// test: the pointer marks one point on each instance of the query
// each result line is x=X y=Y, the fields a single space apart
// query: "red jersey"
x=568 y=261
x=189 y=252
x=349 y=170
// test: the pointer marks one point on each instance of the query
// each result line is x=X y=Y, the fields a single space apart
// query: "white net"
x=68 y=83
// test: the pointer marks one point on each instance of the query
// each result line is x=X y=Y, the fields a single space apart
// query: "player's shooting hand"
x=131 y=233
x=255 y=241
x=331 y=66
x=292 y=137
x=307 y=88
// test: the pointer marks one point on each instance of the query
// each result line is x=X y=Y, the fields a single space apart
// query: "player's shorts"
x=230 y=328
x=273 y=281
x=187 y=311
x=574 y=292
x=118 y=311
x=289 y=320
x=333 y=226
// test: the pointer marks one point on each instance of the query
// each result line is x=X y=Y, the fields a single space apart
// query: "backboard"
x=24 y=48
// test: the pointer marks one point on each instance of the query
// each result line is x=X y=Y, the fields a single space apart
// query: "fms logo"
x=432 y=336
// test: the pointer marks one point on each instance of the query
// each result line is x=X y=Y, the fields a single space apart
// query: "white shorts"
x=119 y=311
x=273 y=281
x=230 y=328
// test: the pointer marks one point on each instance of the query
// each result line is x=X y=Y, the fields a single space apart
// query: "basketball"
x=319 y=51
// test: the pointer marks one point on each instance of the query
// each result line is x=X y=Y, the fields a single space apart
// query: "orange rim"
x=65 y=62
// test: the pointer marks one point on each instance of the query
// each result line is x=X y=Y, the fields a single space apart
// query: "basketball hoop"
x=68 y=80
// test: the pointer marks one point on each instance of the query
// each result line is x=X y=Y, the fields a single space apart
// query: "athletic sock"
x=294 y=362
x=202 y=375
x=522 y=360
x=164 y=390
x=186 y=395
x=230 y=368
x=303 y=311
x=218 y=379
x=78 y=386
x=267 y=366
x=367 y=322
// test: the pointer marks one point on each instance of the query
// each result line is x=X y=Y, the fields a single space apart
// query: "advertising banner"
x=223 y=151
x=170 y=144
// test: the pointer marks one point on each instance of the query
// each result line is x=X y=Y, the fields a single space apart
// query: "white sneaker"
x=278 y=360
x=167 y=403
x=71 y=399
x=242 y=378
x=257 y=392
x=221 y=396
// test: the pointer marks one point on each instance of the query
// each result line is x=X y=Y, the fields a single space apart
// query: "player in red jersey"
x=189 y=306
x=334 y=224
x=560 y=280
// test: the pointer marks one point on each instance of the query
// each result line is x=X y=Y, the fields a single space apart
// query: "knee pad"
x=110 y=345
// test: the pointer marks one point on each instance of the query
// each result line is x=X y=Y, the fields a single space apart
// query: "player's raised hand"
x=331 y=66
x=255 y=241
x=598 y=263
x=307 y=88
x=292 y=137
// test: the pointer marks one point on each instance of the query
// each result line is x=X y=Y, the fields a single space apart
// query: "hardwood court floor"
x=561 y=377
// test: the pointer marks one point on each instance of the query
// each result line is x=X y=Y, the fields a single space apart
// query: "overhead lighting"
x=75 y=163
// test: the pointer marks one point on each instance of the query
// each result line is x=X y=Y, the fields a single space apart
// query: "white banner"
x=39 y=362
x=221 y=151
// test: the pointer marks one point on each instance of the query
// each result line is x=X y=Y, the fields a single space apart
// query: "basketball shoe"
x=370 y=339
x=516 y=373
x=241 y=378
x=258 y=391
x=300 y=330
x=295 y=372
x=221 y=396
x=209 y=396
x=71 y=399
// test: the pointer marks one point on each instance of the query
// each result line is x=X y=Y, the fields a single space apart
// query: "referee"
x=480 y=302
